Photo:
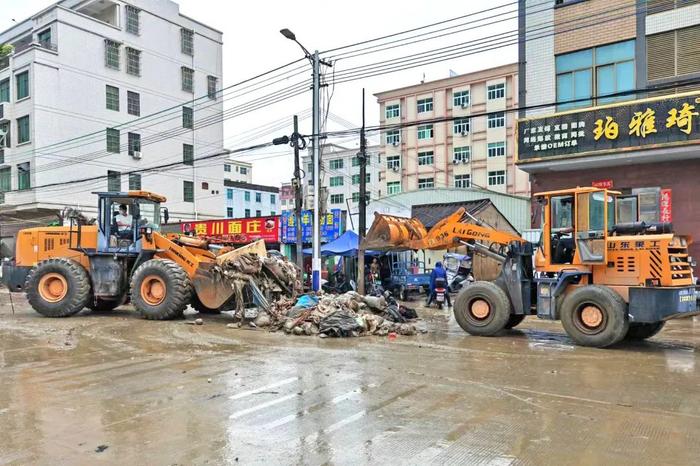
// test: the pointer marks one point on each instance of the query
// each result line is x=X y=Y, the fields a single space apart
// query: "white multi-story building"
x=286 y=197
x=235 y=170
x=340 y=177
x=245 y=200
x=95 y=93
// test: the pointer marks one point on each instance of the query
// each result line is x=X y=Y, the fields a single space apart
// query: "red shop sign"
x=237 y=230
x=666 y=206
x=603 y=184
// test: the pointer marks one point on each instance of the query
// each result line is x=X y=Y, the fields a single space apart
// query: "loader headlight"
x=684 y=243
x=545 y=291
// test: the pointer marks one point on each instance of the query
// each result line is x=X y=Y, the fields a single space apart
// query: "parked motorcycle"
x=440 y=292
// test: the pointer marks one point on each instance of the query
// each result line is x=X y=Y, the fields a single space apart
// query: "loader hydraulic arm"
x=454 y=229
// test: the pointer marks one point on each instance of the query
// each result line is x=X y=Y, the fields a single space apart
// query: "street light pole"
x=316 y=109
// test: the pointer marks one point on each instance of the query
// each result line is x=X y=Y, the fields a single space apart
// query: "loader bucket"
x=391 y=233
x=213 y=289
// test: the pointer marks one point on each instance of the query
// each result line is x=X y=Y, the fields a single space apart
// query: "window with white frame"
x=356 y=178
x=393 y=111
x=425 y=132
x=496 y=149
x=187 y=117
x=133 y=103
x=426 y=183
x=335 y=164
x=460 y=98
x=425 y=105
x=134 y=182
x=112 y=97
x=134 y=140
x=133 y=61
x=497 y=178
x=188 y=156
x=461 y=154
x=227 y=168
x=211 y=86
x=393 y=162
x=461 y=126
x=336 y=181
x=426 y=158
x=496 y=120
x=496 y=91
x=132 y=19
x=463 y=181
x=393 y=137
x=187 y=78
x=337 y=198
x=393 y=187
x=187 y=41
x=112 y=54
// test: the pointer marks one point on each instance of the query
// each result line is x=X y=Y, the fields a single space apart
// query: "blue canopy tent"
x=346 y=245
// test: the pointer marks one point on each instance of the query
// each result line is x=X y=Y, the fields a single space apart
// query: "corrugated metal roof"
x=430 y=214
x=515 y=208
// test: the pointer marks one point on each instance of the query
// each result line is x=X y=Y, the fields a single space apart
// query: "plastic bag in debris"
x=306 y=301
x=341 y=324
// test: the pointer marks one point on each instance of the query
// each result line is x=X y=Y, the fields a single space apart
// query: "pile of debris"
x=258 y=279
x=345 y=315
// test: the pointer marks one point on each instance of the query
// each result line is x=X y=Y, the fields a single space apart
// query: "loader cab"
x=123 y=219
x=576 y=224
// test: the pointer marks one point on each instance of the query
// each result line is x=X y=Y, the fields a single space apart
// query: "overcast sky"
x=253 y=44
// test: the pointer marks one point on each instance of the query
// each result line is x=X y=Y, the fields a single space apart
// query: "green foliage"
x=5 y=50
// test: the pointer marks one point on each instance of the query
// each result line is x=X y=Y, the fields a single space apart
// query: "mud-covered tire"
x=515 y=320
x=594 y=315
x=58 y=287
x=639 y=331
x=482 y=308
x=160 y=290
x=103 y=305
x=201 y=308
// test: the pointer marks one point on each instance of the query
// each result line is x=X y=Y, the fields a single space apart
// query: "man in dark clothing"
x=438 y=272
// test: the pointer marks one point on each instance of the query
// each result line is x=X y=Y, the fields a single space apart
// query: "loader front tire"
x=595 y=315
x=58 y=287
x=482 y=308
x=160 y=290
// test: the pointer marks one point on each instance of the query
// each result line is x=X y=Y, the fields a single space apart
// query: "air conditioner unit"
x=466 y=160
x=395 y=168
x=464 y=133
x=395 y=143
x=136 y=154
x=456 y=161
x=465 y=104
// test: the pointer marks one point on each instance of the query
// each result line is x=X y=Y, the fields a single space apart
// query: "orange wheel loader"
x=124 y=256
x=606 y=281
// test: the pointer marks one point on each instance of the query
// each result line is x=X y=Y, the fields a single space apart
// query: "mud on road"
x=112 y=388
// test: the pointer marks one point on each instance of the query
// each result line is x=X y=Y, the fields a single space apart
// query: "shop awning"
x=346 y=245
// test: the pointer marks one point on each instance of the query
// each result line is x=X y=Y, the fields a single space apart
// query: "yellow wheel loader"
x=124 y=256
x=606 y=281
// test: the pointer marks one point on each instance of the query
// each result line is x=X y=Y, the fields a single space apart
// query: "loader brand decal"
x=236 y=230
x=466 y=231
x=652 y=245
x=687 y=296
x=179 y=254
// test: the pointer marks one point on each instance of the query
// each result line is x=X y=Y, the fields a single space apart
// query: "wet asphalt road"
x=115 y=389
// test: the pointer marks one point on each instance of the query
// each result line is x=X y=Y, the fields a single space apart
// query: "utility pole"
x=297 y=198
x=363 y=203
x=316 y=241
x=316 y=63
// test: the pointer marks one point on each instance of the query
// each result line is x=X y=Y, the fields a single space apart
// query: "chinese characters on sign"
x=603 y=184
x=670 y=120
x=240 y=231
x=330 y=226
x=665 y=206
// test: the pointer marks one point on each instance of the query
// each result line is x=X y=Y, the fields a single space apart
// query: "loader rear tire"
x=482 y=308
x=58 y=287
x=595 y=315
x=160 y=290
x=638 y=332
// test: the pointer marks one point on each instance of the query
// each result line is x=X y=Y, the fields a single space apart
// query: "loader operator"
x=124 y=222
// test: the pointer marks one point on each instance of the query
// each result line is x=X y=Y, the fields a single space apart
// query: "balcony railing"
x=22 y=46
x=4 y=63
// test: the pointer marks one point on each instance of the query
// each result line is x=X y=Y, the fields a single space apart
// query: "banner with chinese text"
x=330 y=226
x=236 y=230
x=671 y=120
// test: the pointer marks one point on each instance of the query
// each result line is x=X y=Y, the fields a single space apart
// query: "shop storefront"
x=646 y=148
